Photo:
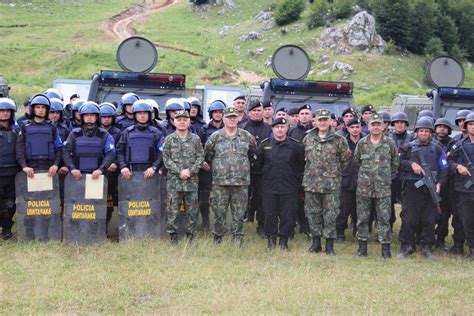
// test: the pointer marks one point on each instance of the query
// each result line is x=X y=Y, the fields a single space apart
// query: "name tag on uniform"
x=267 y=148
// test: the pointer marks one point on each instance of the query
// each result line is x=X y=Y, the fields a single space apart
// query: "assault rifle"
x=470 y=166
x=428 y=180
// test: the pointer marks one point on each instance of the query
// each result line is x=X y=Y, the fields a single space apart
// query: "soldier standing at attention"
x=268 y=113
x=326 y=155
x=240 y=103
x=8 y=166
x=182 y=156
x=230 y=152
x=461 y=163
x=126 y=119
x=377 y=156
x=293 y=117
x=281 y=159
x=366 y=111
x=418 y=205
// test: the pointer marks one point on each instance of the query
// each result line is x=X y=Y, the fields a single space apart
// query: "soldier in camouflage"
x=230 y=152
x=182 y=156
x=326 y=155
x=377 y=156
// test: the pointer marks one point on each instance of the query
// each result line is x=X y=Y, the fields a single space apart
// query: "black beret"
x=240 y=97
x=293 y=111
x=282 y=110
x=353 y=121
x=333 y=116
x=254 y=105
x=366 y=108
x=267 y=105
x=304 y=107
x=74 y=96
x=279 y=121
x=349 y=110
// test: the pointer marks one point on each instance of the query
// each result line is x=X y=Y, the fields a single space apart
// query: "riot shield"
x=38 y=207
x=84 y=220
x=140 y=212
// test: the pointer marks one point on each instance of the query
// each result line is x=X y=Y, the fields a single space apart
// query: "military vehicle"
x=4 y=88
x=446 y=76
x=137 y=56
x=291 y=64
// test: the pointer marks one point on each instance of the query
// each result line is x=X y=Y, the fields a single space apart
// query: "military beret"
x=322 y=113
x=74 y=96
x=254 y=104
x=282 y=110
x=333 y=116
x=293 y=111
x=240 y=97
x=280 y=121
x=376 y=118
x=366 y=108
x=353 y=121
x=181 y=113
x=349 y=110
x=267 y=105
x=230 y=111
x=304 y=107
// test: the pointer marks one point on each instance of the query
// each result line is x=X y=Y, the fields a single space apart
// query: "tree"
x=319 y=14
x=447 y=32
x=288 y=11
x=434 y=47
x=462 y=11
x=423 y=25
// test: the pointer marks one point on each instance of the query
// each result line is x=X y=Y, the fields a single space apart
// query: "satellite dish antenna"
x=291 y=62
x=445 y=71
x=137 y=54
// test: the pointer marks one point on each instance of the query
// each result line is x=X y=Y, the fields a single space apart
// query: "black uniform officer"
x=8 y=166
x=365 y=112
x=216 y=113
x=260 y=130
x=125 y=120
x=461 y=162
x=418 y=205
x=38 y=143
x=348 y=205
x=68 y=107
x=347 y=116
x=281 y=159
x=25 y=117
x=89 y=149
x=298 y=132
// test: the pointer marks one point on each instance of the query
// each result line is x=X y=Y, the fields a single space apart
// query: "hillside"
x=47 y=40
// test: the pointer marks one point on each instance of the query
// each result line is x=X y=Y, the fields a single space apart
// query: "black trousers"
x=348 y=208
x=255 y=199
x=7 y=201
x=280 y=212
x=205 y=185
x=466 y=210
x=396 y=188
x=419 y=210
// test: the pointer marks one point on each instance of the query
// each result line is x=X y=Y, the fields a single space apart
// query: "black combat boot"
x=284 y=243
x=260 y=231
x=457 y=249
x=386 y=254
x=471 y=255
x=426 y=251
x=189 y=238
x=174 y=239
x=271 y=242
x=362 y=251
x=405 y=251
x=341 y=238
x=440 y=244
x=330 y=247
x=7 y=233
x=316 y=246
x=217 y=239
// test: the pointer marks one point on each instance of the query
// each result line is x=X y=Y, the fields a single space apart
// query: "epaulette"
x=293 y=139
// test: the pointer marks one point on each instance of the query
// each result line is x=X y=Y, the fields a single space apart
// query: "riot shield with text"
x=38 y=207
x=85 y=210
x=140 y=212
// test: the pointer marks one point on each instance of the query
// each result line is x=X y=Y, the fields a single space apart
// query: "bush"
x=288 y=11
x=199 y=2
x=319 y=14
x=434 y=47
x=341 y=9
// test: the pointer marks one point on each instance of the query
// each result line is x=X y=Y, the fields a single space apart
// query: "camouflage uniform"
x=230 y=157
x=377 y=163
x=325 y=159
x=180 y=154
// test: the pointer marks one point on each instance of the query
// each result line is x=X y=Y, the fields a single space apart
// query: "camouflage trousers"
x=383 y=209
x=189 y=201
x=223 y=198
x=321 y=210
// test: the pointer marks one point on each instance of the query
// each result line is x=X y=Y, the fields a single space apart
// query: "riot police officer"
x=281 y=159
x=25 y=117
x=459 y=121
x=418 y=204
x=196 y=115
x=126 y=119
x=8 y=166
x=75 y=120
x=172 y=105
x=38 y=143
x=89 y=149
x=54 y=93
x=216 y=113
x=56 y=116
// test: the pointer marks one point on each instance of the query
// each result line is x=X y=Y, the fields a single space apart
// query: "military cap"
x=240 y=97
x=349 y=110
x=74 y=96
x=181 y=113
x=279 y=121
x=254 y=105
x=282 y=110
x=353 y=121
x=333 y=116
x=322 y=113
x=375 y=118
x=293 y=111
x=366 y=108
x=230 y=111
x=304 y=107
x=267 y=105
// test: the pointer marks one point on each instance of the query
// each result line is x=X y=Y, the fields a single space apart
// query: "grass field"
x=153 y=277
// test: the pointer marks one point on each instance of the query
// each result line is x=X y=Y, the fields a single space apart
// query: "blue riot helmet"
x=128 y=99
x=142 y=106
x=54 y=93
x=57 y=106
x=155 y=107
x=186 y=104
x=39 y=99
x=107 y=109
x=8 y=104
x=216 y=105
x=89 y=107
x=173 y=104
